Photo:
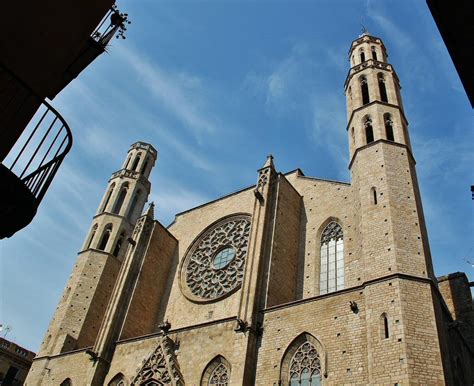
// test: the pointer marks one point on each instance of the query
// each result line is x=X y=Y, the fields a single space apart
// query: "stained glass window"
x=220 y=376
x=305 y=366
x=223 y=257
x=332 y=259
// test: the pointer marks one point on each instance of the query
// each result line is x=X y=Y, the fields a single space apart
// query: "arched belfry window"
x=362 y=55
x=332 y=259
x=217 y=373
x=118 y=244
x=364 y=88
x=145 y=165
x=107 y=198
x=382 y=88
x=136 y=196
x=128 y=162
x=136 y=162
x=105 y=237
x=369 y=131
x=303 y=362
x=374 y=53
x=91 y=237
x=387 y=118
x=120 y=199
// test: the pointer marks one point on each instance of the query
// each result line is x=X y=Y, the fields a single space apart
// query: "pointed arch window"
x=369 y=131
x=105 y=237
x=374 y=53
x=217 y=373
x=128 y=161
x=136 y=196
x=305 y=366
x=118 y=380
x=145 y=165
x=118 y=245
x=136 y=162
x=120 y=199
x=332 y=259
x=382 y=88
x=362 y=55
x=66 y=382
x=304 y=362
x=387 y=118
x=107 y=199
x=91 y=237
x=364 y=88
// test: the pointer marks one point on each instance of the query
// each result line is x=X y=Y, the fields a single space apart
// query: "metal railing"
x=39 y=151
x=113 y=23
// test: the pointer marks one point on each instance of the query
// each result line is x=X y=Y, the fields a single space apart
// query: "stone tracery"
x=202 y=278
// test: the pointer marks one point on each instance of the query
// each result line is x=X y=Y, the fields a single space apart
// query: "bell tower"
x=383 y=167
x=80 y=311
x=392 y=244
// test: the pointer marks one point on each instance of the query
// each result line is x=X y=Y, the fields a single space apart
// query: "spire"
x=269 y=162
x=150 y=212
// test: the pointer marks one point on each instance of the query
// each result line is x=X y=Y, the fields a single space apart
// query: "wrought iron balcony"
x=30 y=166
x=113 y=24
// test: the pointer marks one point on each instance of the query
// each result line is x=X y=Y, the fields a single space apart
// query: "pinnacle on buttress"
x=150 y=212
x=269 y=162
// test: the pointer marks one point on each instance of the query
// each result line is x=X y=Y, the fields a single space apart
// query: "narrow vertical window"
x=120 y=199
x=118 y=245
x=382 y=88
x=362 y=55
x=352 y=136
x=136 y=162
x=388 y=127
x=91 y=237
x=374 y=53
x=369 y=131
x=384 y=326
x=107 y=199
x=374 y=196
x=105 y=237
x=364 y=87
x=332 y=259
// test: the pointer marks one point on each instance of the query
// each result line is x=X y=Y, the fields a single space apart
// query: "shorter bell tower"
x=80 y=311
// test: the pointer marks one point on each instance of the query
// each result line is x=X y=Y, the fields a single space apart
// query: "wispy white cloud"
x=182 y=94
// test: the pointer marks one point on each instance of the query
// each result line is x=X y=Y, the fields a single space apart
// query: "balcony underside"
x=17 y=203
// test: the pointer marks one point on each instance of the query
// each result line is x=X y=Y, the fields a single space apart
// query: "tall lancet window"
x=388 y=126
x=362 y=55
x=369 y=131
x=364 y=89
x=374 y=53
x=382 y=88
x=332 y=259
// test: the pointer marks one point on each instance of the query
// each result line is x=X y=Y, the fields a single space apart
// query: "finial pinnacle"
x=269 y=161
x=151 y=210
x=364 y=31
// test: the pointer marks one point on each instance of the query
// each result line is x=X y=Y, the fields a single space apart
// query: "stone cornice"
x=382 y=141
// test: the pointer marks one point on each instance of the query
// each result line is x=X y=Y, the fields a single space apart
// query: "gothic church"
x=293 y=281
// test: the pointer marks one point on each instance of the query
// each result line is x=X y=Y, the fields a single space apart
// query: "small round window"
x=223 y=258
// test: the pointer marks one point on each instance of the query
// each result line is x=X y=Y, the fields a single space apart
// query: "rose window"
x=214 y=265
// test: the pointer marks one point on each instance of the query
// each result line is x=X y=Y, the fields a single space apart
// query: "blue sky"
x=215 y=87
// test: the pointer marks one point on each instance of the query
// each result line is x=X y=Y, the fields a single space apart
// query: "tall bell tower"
x=80 y=311
x=392 y=244
x=390 y=215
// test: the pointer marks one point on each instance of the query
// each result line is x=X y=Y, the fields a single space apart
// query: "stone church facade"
x=293 y=281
